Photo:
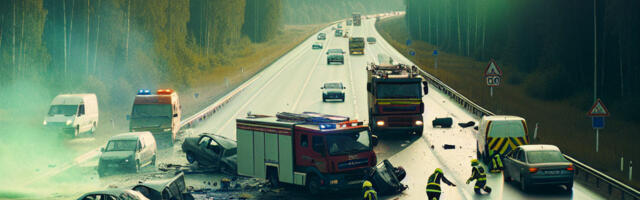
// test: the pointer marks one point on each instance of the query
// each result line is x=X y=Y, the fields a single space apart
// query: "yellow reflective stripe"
x=432 y=190
x=492 y=142
x=518 y=141
x=476 y=186
x=482 y=179
x=434 y=184
x=498 y=144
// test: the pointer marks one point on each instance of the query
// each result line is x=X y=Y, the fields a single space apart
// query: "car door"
x=213 y=151
x=511 y=164
x=201 y=154
x=81 y=118
x=520 y=164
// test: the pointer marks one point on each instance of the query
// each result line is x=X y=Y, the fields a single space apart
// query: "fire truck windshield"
x=398 y=90
x=348 y=143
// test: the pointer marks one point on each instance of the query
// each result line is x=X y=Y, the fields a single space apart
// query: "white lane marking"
x=286 y=65
x=306 y=82
x=353 y=92
x=76 y=161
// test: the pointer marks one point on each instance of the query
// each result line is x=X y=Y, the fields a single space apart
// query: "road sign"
x=493 y=81
x=597 y=122
x=492 y=69
x=408 y=42
x=598 y=109
x=412 y=52
x=435 y=52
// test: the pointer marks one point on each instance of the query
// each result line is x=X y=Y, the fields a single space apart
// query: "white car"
x=73 y=114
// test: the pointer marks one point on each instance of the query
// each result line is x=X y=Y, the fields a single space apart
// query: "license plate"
x=552 y=172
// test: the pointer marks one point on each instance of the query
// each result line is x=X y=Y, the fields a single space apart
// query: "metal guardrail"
x=480 y=111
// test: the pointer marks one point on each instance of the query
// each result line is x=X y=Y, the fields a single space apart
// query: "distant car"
x=339 y=26
x=335 y=55
x=322 y=36
x=538 y=165
x=212 y=151
x=338 y=33
x=128 y=151
x=316 y=45
x=371 y=40
x=113 y=194
x=332 y=90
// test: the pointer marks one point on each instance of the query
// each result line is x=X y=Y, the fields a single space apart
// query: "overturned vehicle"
x=211 y=151
x=386 y=178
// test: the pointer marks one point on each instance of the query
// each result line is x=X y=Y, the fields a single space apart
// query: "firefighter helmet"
x=367 y=184
x=474 y=162
x=438 y=170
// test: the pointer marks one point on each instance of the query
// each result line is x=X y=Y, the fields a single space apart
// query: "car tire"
x=137 y=167
x=505 y=176
x=313 y=185
x=324 y=100
x=76 y=132
x=342 y=99
x=153 y=160
x=523 y=184
x=190 y=158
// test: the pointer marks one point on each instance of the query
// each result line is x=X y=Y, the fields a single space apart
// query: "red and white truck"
x=320 y=152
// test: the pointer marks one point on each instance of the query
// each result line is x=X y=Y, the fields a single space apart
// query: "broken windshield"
x=348 y=143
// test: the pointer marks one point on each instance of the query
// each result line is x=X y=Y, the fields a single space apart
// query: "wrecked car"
x=386 y=178
x=169 y=189
x=212 y=151
x=114 y=194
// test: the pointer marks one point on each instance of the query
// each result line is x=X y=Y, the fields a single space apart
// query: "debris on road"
x=442 y=122
x=449 y=146
x=386 y=178
x=468 y=124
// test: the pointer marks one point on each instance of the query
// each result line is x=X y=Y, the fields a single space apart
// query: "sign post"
x=597 y=113
x=493 y=75
x=435 y=53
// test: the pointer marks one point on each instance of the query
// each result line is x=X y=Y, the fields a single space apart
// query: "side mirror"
x=374 y=140
x=175 y=115
x=425 y=88
x=128 y=117
x=101 y=149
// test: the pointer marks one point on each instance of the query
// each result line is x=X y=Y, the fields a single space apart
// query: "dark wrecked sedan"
x=211 y=151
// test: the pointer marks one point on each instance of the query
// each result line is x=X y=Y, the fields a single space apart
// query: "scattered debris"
x=442 y=122
x=475 y=128
x=449 y=146
x=468 y=124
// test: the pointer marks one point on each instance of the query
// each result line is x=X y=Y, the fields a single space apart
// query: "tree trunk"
x=459 y=36
x=22 y=41
x=95 y=53
x=619 y=61
x=64 y=23
x=126 y=46
x=13 y=45
x=73 y=7
x=87 y=38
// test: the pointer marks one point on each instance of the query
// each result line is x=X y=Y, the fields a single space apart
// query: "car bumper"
x=357 y=52
x=115 y=166
x=61 y=129
x=333 y=96
x=400 y=123
x=551 y=180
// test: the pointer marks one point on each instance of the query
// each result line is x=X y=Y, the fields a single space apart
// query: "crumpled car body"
x=212 y=151
x=114 y=194
x=169 y=189
x=386 y=178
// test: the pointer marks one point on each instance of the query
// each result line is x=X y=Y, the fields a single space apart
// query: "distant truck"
x=157 y=113
x=500 y=134
x=356 y=45
x=73 y=114
x=395 y=97
x=320 y=152
x=357 y=19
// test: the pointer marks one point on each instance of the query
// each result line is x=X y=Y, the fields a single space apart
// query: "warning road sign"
x=598 y=109
x=492 y=69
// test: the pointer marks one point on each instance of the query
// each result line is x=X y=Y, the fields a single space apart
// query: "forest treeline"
x=314 y=11
x=549 y=45
x=70 y=42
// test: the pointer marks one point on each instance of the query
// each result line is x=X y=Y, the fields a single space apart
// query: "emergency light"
x=165 y=91
x=144 y=92
x=327 y=126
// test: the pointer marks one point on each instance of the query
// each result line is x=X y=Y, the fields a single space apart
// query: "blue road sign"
x=435 y=52
x=412 y=53
x=408 y=42
x=597 y=122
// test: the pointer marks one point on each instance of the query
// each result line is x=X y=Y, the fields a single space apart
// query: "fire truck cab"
x=320 y=152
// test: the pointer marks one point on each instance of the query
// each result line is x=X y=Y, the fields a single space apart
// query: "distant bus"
x=357 y=19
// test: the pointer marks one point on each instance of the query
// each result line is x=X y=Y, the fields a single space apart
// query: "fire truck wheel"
x=313 y=185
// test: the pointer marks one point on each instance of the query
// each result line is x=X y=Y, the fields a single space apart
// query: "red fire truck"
x=318 y=151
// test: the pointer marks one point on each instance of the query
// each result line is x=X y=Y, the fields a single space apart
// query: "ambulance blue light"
x=144 y=92
x=327 y=126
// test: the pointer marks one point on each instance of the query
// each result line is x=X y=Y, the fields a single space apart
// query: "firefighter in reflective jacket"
x=433 y=186
x=369 y=192
x=477 y=173
x=496 y=163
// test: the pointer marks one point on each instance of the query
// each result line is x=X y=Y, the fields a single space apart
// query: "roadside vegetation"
x=531 y=93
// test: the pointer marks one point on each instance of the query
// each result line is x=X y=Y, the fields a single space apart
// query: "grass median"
x=561 y=123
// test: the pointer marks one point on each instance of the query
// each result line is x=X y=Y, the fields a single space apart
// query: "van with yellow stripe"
x=501 y=134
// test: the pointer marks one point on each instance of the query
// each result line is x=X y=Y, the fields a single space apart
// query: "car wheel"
x=76 y=132
x=313 y=185
x=190 y=158
x=505 y=175
x=153 y=160
x=137 y=167
x=324 y=100
x=342 y=99
x=523 y=184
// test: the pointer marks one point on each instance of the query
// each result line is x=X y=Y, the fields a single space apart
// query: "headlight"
x=418 y=123
x=69 y=122
x=44 y=122
x=126 y=160
x=380 y=123
x=166 y=129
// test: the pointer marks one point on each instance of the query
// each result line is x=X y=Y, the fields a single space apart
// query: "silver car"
x=332 y=90
x=538 y=165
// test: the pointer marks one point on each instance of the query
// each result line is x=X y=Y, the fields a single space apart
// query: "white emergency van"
x=500 y=134
x=73 y=114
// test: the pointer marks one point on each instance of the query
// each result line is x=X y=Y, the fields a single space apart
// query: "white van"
x=73 y=114
x=500 y=134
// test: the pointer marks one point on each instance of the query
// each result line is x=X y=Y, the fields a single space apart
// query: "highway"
x=292 y=84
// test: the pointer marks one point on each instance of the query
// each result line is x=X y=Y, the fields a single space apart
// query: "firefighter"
x=369 y=192
x=433 y=186
x=496 y=163
x=478 y=174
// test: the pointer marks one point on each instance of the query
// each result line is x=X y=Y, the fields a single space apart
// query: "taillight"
x=570 y=168
x=533 y=170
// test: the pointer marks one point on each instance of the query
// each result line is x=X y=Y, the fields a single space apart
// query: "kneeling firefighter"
x=433 y=186
x=478 y=174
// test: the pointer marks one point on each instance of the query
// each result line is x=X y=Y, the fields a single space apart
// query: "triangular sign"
x=492 y=69
x=598 y=109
